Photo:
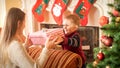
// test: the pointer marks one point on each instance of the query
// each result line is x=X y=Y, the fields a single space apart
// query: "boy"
x=71 y=41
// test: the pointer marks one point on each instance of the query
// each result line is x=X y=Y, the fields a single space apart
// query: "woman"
x=13 y=53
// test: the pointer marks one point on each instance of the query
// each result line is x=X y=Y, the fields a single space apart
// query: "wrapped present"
x=39 y=37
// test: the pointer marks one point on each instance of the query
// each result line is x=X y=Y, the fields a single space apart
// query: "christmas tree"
x=108 y=56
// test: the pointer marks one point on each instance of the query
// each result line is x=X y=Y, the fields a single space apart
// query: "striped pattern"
x=57 y=58
x=54 y=32
x=63 y=59
x=74 y=41
x=39 y=37
x=34 y=52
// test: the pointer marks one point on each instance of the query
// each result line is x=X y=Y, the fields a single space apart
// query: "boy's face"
x=68 y=26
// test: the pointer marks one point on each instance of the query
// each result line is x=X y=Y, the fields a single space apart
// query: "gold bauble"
x=95 y=63
x=107 y=66
x=117 y=19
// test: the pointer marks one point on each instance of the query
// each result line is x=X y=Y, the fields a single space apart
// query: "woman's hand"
x=28 y=42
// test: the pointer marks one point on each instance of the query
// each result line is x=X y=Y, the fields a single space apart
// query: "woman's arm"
x=49 y=44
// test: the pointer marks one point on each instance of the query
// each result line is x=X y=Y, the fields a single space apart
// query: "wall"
x=2 y=12
x=5 y=5
x=13 y=3
x=100 y=8
x=93 y=17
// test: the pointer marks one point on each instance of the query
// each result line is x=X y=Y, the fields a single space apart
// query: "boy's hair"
x=74 y=18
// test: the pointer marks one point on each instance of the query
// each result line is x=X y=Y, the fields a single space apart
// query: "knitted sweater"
x=72 y=43
x=18 y=56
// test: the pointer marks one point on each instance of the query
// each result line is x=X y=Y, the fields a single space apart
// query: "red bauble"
x=103 y=37
x=115 y=12
x=100 y=56
x=107 y=40
x=103 y=20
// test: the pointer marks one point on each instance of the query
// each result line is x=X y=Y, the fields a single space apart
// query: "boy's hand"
x=59 y=40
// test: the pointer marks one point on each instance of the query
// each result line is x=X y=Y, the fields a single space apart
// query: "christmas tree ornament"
x=58 y=8
x=95 y=63
x=107 y=66
x=117 y=19
x=103 y=38
x=108 y=41
x=115 y=13
x=100 y=56
x=103 y=20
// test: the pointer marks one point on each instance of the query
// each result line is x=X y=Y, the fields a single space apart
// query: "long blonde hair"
x=9 y=30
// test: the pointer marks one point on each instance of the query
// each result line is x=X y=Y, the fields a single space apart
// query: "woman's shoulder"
x=15 y=45
x=17 y=54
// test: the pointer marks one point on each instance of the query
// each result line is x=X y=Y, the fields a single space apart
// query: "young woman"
x=13 y=52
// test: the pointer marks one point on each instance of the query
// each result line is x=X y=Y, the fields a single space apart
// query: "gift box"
x=39 y=37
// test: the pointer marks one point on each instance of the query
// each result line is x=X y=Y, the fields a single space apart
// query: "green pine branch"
x=111 y=53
